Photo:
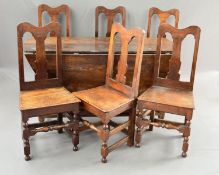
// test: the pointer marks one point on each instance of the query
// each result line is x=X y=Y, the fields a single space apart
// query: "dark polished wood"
x=54 y=13
x=43 y=96
x=110 y=14
x=170 y=94
x=83 y=57
x=163 y=17
x=116 y=96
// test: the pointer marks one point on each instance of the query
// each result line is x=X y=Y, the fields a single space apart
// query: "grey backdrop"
x=160 y=151
x=193 y=12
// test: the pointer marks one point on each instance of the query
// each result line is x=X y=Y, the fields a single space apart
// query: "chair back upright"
x=110 y=14
x=119 y=83
x=163 y=17
x=41 y=69
x=54 y=14
x=173 y=77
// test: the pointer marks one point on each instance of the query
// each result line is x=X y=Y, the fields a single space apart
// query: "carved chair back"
x=41 y=74
x=173 y=76
x=54 y=14
x=119 y=83
x=110 y=14
x=163 y=17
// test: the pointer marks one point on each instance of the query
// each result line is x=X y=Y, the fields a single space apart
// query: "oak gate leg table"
x=85 y=60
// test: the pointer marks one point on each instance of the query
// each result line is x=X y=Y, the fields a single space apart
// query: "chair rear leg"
x=151 y=127
x=60 y=121
x=25 y=137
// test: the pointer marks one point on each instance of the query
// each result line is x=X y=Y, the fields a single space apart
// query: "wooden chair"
x=110 y=14
x=169 y=94
x=163 y=16
x=54 y=14
x=43 y=96
x=115 y=96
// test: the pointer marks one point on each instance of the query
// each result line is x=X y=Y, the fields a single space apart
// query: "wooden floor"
x=160 y=151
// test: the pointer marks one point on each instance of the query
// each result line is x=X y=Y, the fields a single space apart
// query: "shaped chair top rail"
x=110 y=14
x=178 y=35
x=126 y=37
x=41 y=74
x=54 y=14
x=163 y=17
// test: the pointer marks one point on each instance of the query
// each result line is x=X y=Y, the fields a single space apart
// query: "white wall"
x=193 y=12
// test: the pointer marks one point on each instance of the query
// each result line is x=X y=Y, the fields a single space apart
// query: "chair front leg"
x=131 y=128
x=138 y=133
x=104 y=137
x=25 y=137
x=186 y=135
x=75 y=134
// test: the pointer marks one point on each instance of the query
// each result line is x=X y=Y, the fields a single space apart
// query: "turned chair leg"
x=131 y=128
x=60 y=121
x=138 y=133
x=138 y=138
x=185 y=125
x=186 y=135
x=25 y=137
x=151 y=127
x=104 y=148
x=75 y=135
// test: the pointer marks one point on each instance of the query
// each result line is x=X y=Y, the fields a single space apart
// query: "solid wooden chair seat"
x=43 y=98
x=104 y=98
x=168 y=96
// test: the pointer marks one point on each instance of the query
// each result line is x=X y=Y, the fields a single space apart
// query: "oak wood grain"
x=43 y=98
x=92 y=45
